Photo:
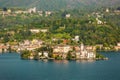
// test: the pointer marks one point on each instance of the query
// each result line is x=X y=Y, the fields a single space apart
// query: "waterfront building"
x=45 y=54
x=84 y=52
x=79 y=52
x=3 y=48
x=118 y=44
x=29 y=45
x=117 y=47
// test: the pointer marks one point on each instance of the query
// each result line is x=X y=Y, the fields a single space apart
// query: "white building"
x=84 y=53
x=107 y=10
x=43 y=30
x=9 y=11
x=20 y=12
x=35 y=30
x=76 y=38
x=82 y=47
x=32 y=10
x=45 y=54
x=67 y=15
x=26 y=42
x=118 y=44
x=90 y=55
x=66 y=49
x=99 y=21
x=47 y=13
x=40 y=13
x=40 y=53
x=62 y=49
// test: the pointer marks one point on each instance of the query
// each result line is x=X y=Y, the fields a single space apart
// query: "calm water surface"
x=13 y=68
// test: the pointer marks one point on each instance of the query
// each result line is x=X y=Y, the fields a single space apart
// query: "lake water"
x=13 y=68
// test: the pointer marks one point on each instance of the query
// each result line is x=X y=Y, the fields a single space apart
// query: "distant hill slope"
x=59 y=4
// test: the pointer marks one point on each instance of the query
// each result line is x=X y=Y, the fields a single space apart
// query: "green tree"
x=25 y=54
x=69 y=56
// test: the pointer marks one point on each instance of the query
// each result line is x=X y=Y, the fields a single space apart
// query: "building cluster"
x=28 y=11
x=10 y=12
x=38 y=30
x=29 y=45
x=3 y=48
x=78 y=52
x=99 y=21
x=25 y=45
x=62 y=51
x=98 y=18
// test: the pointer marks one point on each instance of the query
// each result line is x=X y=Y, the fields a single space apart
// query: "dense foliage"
x=17 y=28
x=100 y=56
x=25 y=54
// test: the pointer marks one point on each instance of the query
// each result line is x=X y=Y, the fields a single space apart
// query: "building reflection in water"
x=61 y=61
x=85 y=61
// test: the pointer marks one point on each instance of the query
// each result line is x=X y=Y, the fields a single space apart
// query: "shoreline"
x=96 y=59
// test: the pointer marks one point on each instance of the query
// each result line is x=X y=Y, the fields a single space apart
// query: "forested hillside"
x=59 y=4
x=82 y=24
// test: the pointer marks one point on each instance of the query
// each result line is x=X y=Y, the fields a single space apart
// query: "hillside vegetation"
x=59 y=4
x=17 y=28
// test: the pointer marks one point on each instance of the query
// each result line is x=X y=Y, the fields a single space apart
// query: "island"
x=63 y=52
